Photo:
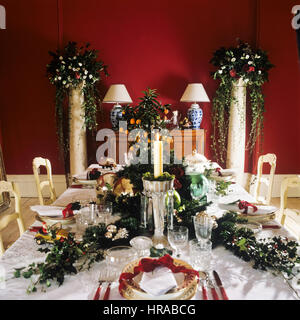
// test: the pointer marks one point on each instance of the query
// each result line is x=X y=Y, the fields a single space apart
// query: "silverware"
x=107 y=292
x=212 y=289
x=220 y=285
x=98 y=291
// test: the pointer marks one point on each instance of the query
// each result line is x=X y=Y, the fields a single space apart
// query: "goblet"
x=178 y=237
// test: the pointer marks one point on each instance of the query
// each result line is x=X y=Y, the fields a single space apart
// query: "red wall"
x=157 y=44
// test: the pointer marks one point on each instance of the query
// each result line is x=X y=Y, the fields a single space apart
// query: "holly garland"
x=278 y=254
x=66 y=255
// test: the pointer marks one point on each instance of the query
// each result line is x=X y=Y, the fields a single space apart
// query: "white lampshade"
x=194 y=92
x=117 y=93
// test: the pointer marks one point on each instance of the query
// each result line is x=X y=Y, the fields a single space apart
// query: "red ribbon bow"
x=148 y=265
x=219 y=172
x=68 y=212
x=245 y=205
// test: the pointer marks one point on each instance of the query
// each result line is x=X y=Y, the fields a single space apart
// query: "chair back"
x=269 y=158
x=11 y=187
x=289 y=217
x=36 y=164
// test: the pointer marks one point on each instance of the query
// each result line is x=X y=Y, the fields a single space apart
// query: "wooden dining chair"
x=269 y=158
x=36 y=164
x=13 y=188
x=290 y=218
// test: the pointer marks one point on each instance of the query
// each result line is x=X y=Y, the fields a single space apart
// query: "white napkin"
x=158 y=282
x=50 y=211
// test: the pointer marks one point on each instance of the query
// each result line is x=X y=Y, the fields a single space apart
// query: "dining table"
x=240 y=280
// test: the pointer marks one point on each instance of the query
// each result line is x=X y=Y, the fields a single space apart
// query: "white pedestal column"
x=78 y=151
x=237 y=131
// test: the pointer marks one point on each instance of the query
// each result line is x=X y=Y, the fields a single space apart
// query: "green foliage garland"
x=233 y=63
x=277 y=254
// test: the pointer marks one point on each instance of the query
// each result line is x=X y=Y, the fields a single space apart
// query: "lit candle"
x=158 y=156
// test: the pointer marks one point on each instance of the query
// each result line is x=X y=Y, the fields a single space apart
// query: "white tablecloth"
x=241 y=281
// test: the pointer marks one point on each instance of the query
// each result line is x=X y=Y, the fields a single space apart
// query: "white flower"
x=70 y=67
x=84 y=77
x=61 y=58
x=74 y=69
x=223 y=67
x=64 y=82
x=80 y=64
x=259 y=71
x=85 y=72
x=246 y=80
x=74 y=57
x=250 y=62
x=220 y=71
x=62 y=62
x=59 y=78
x=233 y=59
x=257 y=56
x=90 y=76
x=247 y=56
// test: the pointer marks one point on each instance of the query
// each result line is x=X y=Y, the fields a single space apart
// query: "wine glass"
x=203 y=225
x=178 y=237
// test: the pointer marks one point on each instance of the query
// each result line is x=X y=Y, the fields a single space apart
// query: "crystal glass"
x=200 y=254
x=178 y=237
x=103 y=212
x=118 y=257
x=199 y=185
x=203 y=227
x=142 y=245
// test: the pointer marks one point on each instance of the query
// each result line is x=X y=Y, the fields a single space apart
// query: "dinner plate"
x=254 y=226
x=52 y=220
x=85 y=181
x=227 y=175
x=185 y=290
x=261 y=209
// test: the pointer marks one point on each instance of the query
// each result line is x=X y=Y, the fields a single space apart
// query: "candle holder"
x=160 y=205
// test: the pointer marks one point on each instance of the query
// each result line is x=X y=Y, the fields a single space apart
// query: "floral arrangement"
x=75 y=67
x=234 y=63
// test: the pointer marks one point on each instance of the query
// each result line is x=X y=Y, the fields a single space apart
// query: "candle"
x=158 y=156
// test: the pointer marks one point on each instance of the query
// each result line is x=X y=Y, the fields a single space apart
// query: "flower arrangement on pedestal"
x=234 y=63
x=75 y=67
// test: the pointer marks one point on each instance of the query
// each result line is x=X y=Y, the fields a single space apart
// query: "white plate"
x=227 y=175
x=81 y=181
x=261 y=209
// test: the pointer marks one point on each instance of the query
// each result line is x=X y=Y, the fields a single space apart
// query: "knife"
x=220 y=285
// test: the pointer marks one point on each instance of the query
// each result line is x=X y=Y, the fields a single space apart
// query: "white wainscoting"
x=28 y=189
x=27 y=184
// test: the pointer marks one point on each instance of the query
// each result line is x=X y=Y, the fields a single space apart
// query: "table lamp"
x=117 y=93
x=195 y=92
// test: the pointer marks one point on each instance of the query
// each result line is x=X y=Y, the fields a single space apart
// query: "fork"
x=212 y=289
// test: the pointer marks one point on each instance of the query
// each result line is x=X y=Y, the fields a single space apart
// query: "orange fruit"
x=126 y=131
x=166 y=111
x=132 y=121
x=121 y=129
x=138 y=121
